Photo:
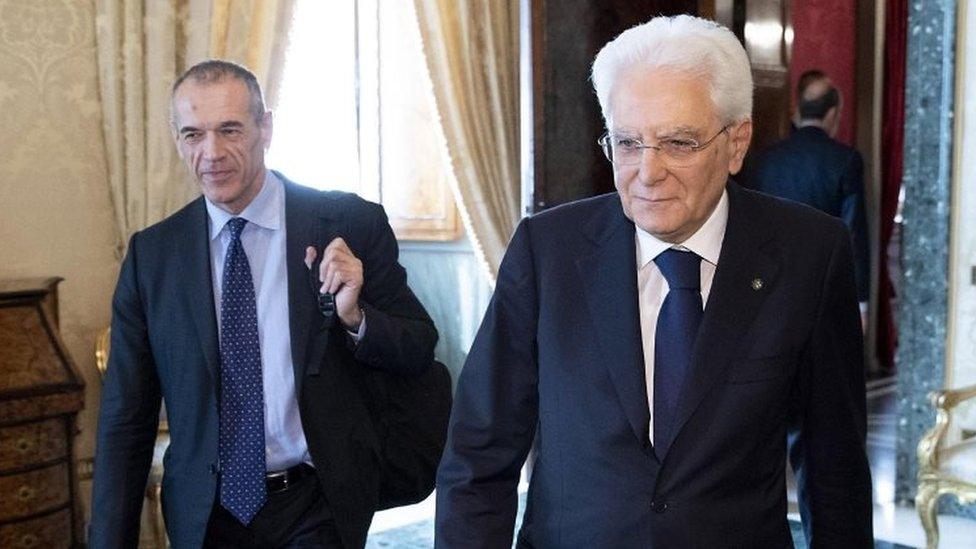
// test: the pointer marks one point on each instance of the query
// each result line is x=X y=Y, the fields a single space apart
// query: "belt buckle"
x=278 y=476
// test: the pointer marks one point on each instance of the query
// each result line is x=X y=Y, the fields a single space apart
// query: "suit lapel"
x=733 y=302
x=198 y=285
x=306 y=221
x=609 y=280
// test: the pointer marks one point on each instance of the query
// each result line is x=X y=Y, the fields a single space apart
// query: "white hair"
x=684 y=44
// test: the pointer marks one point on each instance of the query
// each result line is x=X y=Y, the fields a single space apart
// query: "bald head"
x=807 y=78
x=815 y=89
x=819 y=103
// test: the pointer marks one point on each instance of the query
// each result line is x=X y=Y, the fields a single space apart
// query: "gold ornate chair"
x=944 y=468
x=154 y=486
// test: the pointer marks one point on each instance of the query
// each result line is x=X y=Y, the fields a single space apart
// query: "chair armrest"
x=948 y=399
x=943 y=401
x=102 y=345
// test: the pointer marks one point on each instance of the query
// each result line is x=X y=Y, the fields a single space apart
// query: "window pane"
x=414 y=167
x=315 y=127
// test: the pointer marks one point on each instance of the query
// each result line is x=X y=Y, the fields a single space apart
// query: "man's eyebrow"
x=680 y=130
x=229 y=124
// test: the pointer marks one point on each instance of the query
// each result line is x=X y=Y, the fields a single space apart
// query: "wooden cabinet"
x=47 y=531
x=41 y=393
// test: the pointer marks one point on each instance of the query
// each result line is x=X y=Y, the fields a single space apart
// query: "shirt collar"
x=264 y=211
x=706 y=242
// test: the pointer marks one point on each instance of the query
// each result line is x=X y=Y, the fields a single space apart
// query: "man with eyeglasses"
x=664 y=348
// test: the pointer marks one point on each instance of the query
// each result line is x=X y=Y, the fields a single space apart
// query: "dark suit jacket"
x=558 y=361
x=813 y=169
x=165 y=344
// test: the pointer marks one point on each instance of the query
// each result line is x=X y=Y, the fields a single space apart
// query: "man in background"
x=218 y=312
x=813 y=168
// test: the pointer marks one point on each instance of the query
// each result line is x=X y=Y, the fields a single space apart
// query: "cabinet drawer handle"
x=26 y=493
x=28 y=540
x=24 y=445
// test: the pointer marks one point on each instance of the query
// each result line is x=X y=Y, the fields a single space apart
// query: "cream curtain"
x=142 y=47
x=253 y=33
x=471 y=48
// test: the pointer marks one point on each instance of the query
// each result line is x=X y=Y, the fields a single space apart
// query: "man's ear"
x=740 y=135
x=176 y=141
x=267 y=128
x=832 y=120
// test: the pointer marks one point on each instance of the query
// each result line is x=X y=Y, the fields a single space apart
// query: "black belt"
x=279 y=481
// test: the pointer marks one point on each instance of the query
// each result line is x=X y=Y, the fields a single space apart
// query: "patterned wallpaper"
x=55 y=214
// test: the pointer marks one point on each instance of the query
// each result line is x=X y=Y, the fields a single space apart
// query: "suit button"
x=659 y=506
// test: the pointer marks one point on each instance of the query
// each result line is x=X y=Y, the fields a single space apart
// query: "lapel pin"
x=757 y=284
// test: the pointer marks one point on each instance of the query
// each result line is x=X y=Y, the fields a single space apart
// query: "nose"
x=652 y=167
x=211 y=147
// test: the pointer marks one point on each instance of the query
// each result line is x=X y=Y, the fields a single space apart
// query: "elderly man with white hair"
x=667 y=346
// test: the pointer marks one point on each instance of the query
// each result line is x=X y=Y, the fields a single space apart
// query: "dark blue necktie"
x=674 y=338
x=242 y=464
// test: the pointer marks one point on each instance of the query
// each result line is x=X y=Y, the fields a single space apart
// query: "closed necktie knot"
x=680 y=268
x=236 y=226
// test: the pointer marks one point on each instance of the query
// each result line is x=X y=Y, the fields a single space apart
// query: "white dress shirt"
x=263 y=239
x=653 y=288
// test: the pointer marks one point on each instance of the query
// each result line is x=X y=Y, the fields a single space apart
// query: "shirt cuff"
x=863 y=305
x=358 y=335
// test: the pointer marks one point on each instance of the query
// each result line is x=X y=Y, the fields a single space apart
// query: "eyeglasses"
x=627 y=150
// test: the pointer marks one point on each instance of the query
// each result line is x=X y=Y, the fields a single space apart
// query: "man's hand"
x=341 y=274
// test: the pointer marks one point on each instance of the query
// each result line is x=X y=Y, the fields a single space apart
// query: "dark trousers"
x=298 y=517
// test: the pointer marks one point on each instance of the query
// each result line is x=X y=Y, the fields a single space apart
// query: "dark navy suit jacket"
x=558 y=362
x=813 y=169
x=165 y=345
